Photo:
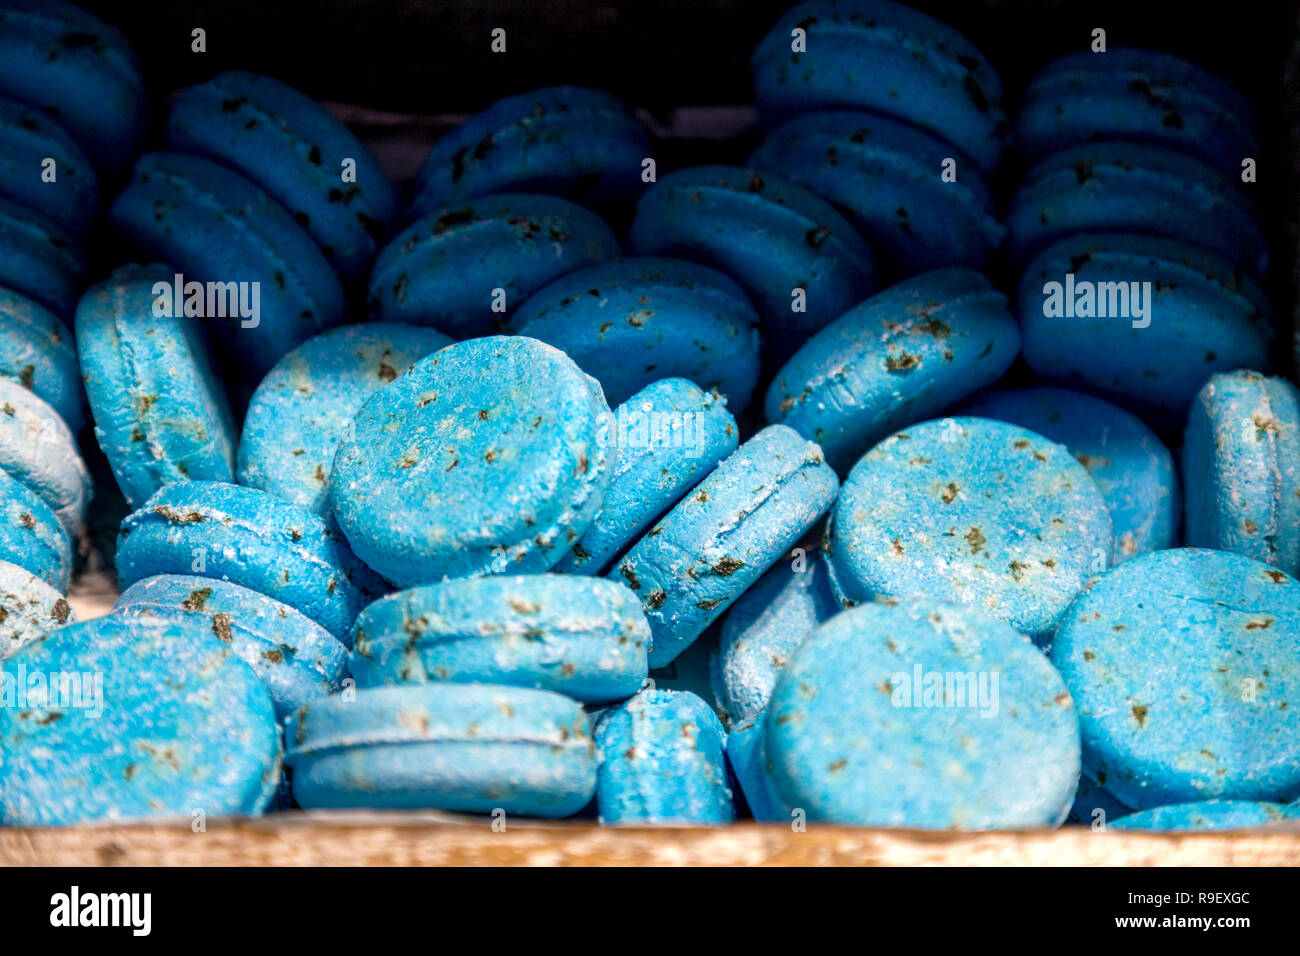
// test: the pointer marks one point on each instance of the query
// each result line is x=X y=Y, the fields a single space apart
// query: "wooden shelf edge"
x=368 y=839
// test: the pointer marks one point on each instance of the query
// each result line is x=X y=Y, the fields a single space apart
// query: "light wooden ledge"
x=369 y=839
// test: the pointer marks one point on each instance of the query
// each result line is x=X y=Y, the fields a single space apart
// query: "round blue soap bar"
x=630 y=322
x=1130 y=187
x=297 y=151
x=29 y=608
x=582 y=637
x=1131 y=467
x=37 y=350
x=501 y=249
x=266 y=286
x=39 y=259
x=302 y=408
x=922 y=714
x=885 y=57
x=970 y=511
x=670 y=435
x=34 y=147
x=491 y=456
x=472 y=748
x=251 y=538
x=74 y=67
x=1241 y=459
x=148 y=719
x=770 y=235
x=582 y=144
x=662 y=761
x=161 y=415
x=1185 y=666
x=31 y=535
x=296 y=658
x=746 y=757
x=38 y=448
x=892 y=181
x=1141 y=95
x=762 y=630
x=1142 y=319
x=737 y=523
x=903 y=355
x=1209 y=815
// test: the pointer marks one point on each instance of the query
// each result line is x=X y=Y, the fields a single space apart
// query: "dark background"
x=432 y=56
x=428 y=60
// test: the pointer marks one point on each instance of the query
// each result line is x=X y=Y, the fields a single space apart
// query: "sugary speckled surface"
x=29 y=137
x=39 y=259
x=38 y=449
x=921 y=714
x=970 y=511
x=294 y=148
x=630 y=322
x=501 y=249
x=69 y=63
x=251 y=538
x=1140 y=95
x=1241 y=459
x=582 y=637
x=473 y=748
x=161 y=415
x=452 y=472
x=902 y=356
x=579 y=143
x=1208 y=815
x=887 y=176
x=1131 y=187
x=720 y=539
x=662 y=761
x=670 y=435
x=762 y=630
x=1185 y=666
x=769 y=234
x=1205 y=317
x=885 y=57
x=31 y=535
x=297 y=659
x=28 y=608
x=302 y=408
x=1132 y=469
x=37 y=351
x=166 y=723
x=215 y=226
